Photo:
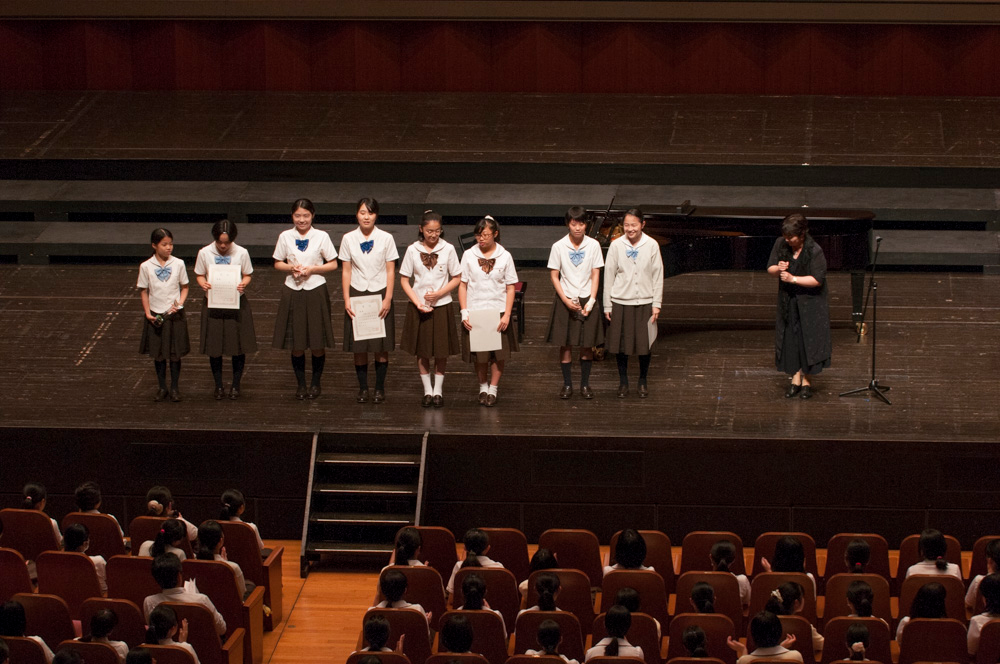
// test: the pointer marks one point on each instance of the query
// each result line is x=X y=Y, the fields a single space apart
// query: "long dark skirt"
x=431 y=334
x=170 y=341
x=303 y=320
x=793 y=351
x=569 y=330
x=629 y=329
x=381 y=345
x=508 y=341
x=227 y=331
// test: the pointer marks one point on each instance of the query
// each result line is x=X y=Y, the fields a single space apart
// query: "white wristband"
x=589 y=306
x=465 y=314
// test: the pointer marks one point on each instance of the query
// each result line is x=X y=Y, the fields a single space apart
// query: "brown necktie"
x=429 y=260
x=487 y=264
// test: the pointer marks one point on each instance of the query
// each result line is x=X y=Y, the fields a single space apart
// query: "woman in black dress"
x=803 y=345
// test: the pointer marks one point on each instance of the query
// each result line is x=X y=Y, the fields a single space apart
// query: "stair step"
x=358 y=459
x=362 y=518
x=367 y=489
x=348 y=547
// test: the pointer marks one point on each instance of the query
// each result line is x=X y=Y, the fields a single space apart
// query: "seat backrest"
x=836 y=549
x=659 y=555
x=836 y=603
x=242 y=549
x=697 y=660
x=520 y=658
x=717 y=629
x=383 y=657
x=979 y=555
x=24 y=650
x=909 y=553
x=727 y=594
x=105 y=534
x=437 y=549
x=989 y=643
x=92 y=653
x=933 y=640
x=488 y=635
x=13 y=574
x=835 y=639
x=411 y=624
x=29 y=532
x=798 y=627
x=72 y=576
x=764 y=548
x=131 y=578
x=575 y=549
x=423 y=587
x=574 y=594
x=145 y=528
x=131 y=626
x=765 y=582
x=526 y=632
x=460 y=657
x=509 y=547
x=641 y=634
x=201 y=631
x=47 y=616
x=653 y=599
x=697 y=547
x=954 y=601
x=502 y=593
x=604 y=659
x=217 y=579
x=170 y=654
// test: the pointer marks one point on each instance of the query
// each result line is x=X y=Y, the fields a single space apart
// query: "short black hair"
x=166 y=567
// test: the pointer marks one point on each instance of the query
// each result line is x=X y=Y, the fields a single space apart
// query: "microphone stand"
x=872 y=386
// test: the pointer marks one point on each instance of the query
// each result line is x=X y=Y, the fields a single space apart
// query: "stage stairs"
x=362 y=490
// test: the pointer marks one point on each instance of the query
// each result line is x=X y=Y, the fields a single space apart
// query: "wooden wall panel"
x=528 y=57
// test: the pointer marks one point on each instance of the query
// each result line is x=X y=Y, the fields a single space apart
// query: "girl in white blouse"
x=429 y=330
x=488 y=278
x=163 y=288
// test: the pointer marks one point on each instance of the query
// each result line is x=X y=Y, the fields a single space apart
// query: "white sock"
x=438 y=385
x=426 y=380
x=493 y=389
x=484 y=387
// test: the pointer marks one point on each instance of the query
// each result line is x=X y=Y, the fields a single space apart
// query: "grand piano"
x=694 y=238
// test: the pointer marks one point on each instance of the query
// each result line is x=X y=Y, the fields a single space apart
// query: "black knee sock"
x=175 y=373
x=567 y=369
x=644 y=367
x=216 y=364
x=299 y=366
x=381 y=369
x=622 y=359
x=239 y=361
x=319 y=361
x=585 y=366
x=161 y=373
x=362 y=371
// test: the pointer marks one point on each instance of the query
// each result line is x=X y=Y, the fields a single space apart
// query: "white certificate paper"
x=484 y=335
x=653 y=330
x=367 y=324
x=224 y=280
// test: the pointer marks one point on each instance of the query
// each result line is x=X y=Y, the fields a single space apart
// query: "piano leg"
x=857 y=296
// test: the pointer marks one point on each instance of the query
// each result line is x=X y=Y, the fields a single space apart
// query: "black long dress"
x=802 y=338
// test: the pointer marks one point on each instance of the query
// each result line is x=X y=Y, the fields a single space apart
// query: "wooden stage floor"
x=70 y=332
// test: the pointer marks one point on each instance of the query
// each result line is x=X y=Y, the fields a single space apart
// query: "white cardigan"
x=633 y=282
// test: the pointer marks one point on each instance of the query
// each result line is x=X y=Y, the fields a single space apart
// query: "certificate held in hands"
x=224 y=279
x=367 y=324
x=484 y=335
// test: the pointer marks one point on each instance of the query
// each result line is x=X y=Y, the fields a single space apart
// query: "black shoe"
x=792 y=390
x=491 y=400
x=807 y=392
x=623 y=391
x=427 y=401
x=220 y=392
x=175 y=396
x=234 y=392
x=379 y=396
x=438 y=401
x=482 y=398
x=314 y=391
x=566 y=392
x=586 y=392
x=643 y=390
x=161 y=395
x=363 y=396
x=300 y=393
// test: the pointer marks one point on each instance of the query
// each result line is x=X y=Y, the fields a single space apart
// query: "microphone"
x=878 y=238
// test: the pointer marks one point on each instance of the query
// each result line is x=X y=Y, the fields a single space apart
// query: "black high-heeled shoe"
x=792 y=390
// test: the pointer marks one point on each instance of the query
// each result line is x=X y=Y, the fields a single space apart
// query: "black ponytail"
x=547 y=585
x=171 y=531
x=408 y=542
x=161 y=621
x=703 y=597
x=783 y=598
x=549 y=636
x=723 y=554
x=209 y=535
x=476 y=542
x=232 y=502
x=34 y=493
x=474 y=592
x=861 y=596
x=617 y=622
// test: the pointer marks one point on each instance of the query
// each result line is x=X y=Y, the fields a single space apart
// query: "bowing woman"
x=803 y=345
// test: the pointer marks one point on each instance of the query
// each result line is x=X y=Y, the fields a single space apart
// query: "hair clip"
x=776 y=594
x=489 y=217
x=162 y=531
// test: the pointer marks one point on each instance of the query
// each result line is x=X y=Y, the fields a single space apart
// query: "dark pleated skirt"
x=169 y=341
x=430 y=334
x=628 y=332
x=227 y=331
x=793 y=350
x=383 y=345
x=508 y=341
x=568 y=330
x=303 y=320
